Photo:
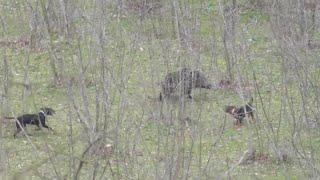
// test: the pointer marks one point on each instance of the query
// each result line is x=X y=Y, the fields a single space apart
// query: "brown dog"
x=240 y=113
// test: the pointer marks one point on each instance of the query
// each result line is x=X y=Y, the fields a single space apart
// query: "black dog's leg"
x=160 y=97
x=238 y=122
x=189 y=94
x=45 y=126
x=19 y=128
x=18 y=124
x=252 y=118
x=39 y=128
x=17 y=132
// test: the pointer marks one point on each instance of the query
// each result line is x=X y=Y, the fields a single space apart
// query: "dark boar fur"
x=184 y=79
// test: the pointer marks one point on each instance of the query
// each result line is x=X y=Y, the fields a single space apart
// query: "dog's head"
x=48 y=111
x=230 y=109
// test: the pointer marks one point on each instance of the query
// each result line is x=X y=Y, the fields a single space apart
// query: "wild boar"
x=183 y=81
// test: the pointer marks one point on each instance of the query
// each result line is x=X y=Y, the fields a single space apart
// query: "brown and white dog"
x=241 y=112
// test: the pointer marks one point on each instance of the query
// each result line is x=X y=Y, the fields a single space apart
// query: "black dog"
x=240 y=113
x=186 y=79
x=34 y=119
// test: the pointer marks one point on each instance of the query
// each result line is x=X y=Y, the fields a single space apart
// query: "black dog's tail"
x=6 y=117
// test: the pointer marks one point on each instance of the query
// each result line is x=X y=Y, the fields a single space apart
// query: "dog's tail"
x=160 y=98
x=250 y=104
x=251 y=101
x=6 y=117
